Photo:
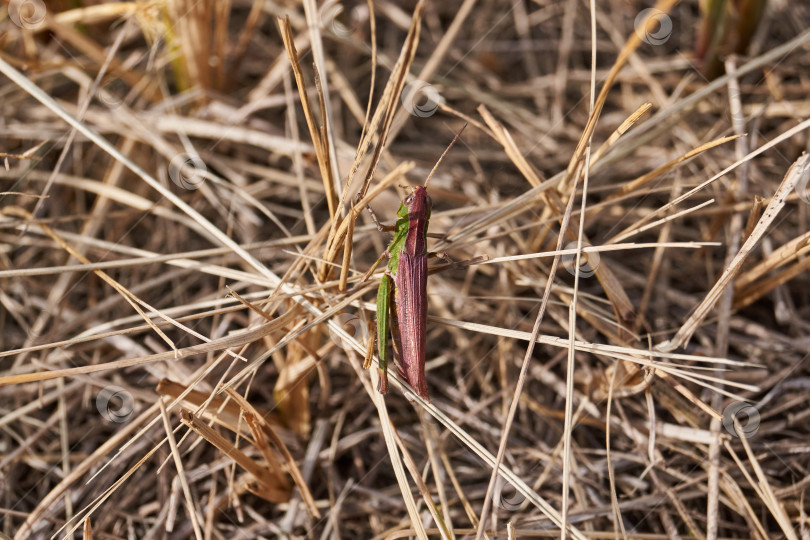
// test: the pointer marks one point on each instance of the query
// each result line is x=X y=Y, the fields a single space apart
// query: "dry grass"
x=184 y=326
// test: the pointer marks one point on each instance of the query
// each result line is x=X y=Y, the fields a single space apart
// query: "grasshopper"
x=405 y=282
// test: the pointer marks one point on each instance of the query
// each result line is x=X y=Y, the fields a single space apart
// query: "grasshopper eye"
x=408 y=200
x=429 y=202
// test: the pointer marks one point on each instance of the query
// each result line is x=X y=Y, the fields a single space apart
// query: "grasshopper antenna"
x=445 y=152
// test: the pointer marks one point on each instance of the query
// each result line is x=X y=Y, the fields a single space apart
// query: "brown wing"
x=412 y=314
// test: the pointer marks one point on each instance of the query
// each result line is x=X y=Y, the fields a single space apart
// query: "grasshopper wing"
x=411 y=300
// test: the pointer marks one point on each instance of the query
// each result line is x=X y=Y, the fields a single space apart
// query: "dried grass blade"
x=396 y=462
x=178 y=462
x=274 y=485
x=227 y=342
x=665 y=168
x=312 y=123
x=684 y=334
x=340 y=235
x=752 y=293
x=292 y=467
x=663 y=6
x=222 y=411
x=784 y=254
x=762 y=486
x=446 y=534
x=384 y=113
x=613 y=289
x=629 y=122
x=130 y=298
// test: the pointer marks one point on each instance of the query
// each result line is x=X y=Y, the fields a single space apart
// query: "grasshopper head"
x=418 y=202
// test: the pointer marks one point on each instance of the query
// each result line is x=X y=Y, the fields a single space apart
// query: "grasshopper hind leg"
x=396 y=342
x=384 y=296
